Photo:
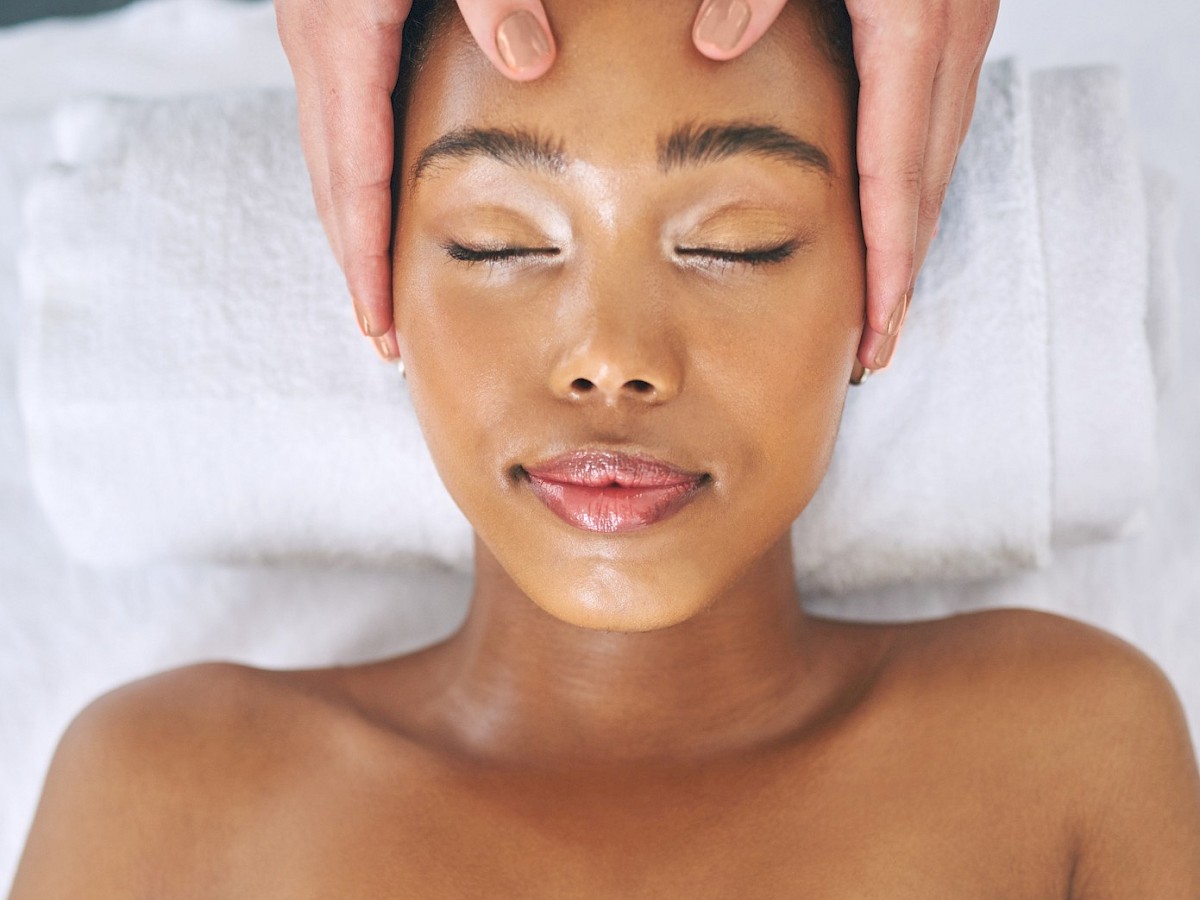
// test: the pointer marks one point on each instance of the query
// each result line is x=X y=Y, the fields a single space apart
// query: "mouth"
x=610 y=492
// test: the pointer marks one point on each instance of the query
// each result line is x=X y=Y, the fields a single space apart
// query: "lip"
x=610 y=492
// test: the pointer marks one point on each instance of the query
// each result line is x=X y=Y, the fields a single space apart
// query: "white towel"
x=943 y=464
x=1019 y=414
x=194 y=386
x=1096 y=246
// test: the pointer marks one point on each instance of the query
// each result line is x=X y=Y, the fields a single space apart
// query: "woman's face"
x=615 y=315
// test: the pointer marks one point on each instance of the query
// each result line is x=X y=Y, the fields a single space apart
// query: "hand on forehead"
x=633 y=78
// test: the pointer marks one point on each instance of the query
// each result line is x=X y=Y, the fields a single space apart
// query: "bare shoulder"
x=1099 y=717
x=1040 y=656
x=1079 y=680
x=151 y=773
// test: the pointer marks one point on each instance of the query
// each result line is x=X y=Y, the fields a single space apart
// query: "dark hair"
x=424 y=20
x=832 y=21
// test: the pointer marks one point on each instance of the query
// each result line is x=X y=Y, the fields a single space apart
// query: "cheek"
x=463 y=378
x=788 y=369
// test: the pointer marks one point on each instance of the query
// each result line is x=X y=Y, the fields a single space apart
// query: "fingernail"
x=385 y=346
x=722 y=23
x=883 y=355
x=861 y=373
x=521 y=40
x=898 y=313
x=363 y=324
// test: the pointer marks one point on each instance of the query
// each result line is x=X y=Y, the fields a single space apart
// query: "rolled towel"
x=194 y=387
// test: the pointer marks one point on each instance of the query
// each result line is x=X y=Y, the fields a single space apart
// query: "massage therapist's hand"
x=918 y=61
x=345 y=57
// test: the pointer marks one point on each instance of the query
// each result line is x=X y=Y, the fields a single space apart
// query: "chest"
x=848 y=831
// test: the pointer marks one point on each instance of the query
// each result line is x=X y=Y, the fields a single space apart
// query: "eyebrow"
x=514 y=147
x=695 y=144
x=689 y=145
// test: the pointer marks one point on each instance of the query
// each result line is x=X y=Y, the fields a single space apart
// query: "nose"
x=619 y=353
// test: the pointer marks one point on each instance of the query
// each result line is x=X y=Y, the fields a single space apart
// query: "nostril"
x=584 y=385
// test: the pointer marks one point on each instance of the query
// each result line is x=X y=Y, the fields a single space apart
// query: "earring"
x=400 y=368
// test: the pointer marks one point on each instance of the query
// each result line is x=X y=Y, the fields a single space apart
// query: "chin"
x=607 y=597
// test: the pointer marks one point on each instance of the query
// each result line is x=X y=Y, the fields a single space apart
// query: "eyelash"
x=752 y=257
x=758 y=256
x=471 y=255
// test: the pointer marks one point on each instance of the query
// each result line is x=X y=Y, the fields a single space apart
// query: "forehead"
x=626 y=73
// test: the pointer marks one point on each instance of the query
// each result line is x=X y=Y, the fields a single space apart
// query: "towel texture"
x=1096 y=246
x=194 y=387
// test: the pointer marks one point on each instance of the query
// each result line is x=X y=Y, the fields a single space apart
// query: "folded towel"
x=1163 y=322
x=194 y=387
x=1040 y=280
x=943 y=464
x=1102 y=386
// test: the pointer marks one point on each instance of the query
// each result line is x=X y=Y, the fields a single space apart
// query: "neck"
x=516 y=684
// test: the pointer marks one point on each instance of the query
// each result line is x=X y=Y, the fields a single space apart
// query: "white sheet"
x=68 y=633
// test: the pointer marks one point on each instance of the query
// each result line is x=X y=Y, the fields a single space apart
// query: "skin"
x=919 y=62
x=652 y=714
x=737 y=371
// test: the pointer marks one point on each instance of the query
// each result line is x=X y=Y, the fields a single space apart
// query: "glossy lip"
x=611 y=492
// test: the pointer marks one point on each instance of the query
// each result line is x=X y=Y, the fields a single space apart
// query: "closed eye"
x=472 y=255
x=720 y=256
x=753 y=256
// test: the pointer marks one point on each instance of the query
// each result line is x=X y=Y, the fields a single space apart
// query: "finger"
x=312 y=133
x=345 y=59
x=896 y=75
x=312 y=140
x=969 y=104
x=386 y=347
x=941 y=154
x=356 y=113
x=724 y=29
x=945 y=142
x=950 y=123
x=516 y=37
x=360 y=191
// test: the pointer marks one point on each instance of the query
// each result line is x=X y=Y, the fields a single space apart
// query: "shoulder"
x=1041 y=656
x=150 y=771
x=1104 y=728
x=180 y=724
x=1079 y=681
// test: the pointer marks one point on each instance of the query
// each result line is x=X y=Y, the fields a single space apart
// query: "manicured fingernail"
x=385 y=346
x=363 y=324
x=898 y=313
x=521 y=40
x=883 y=355
x=722 y=23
